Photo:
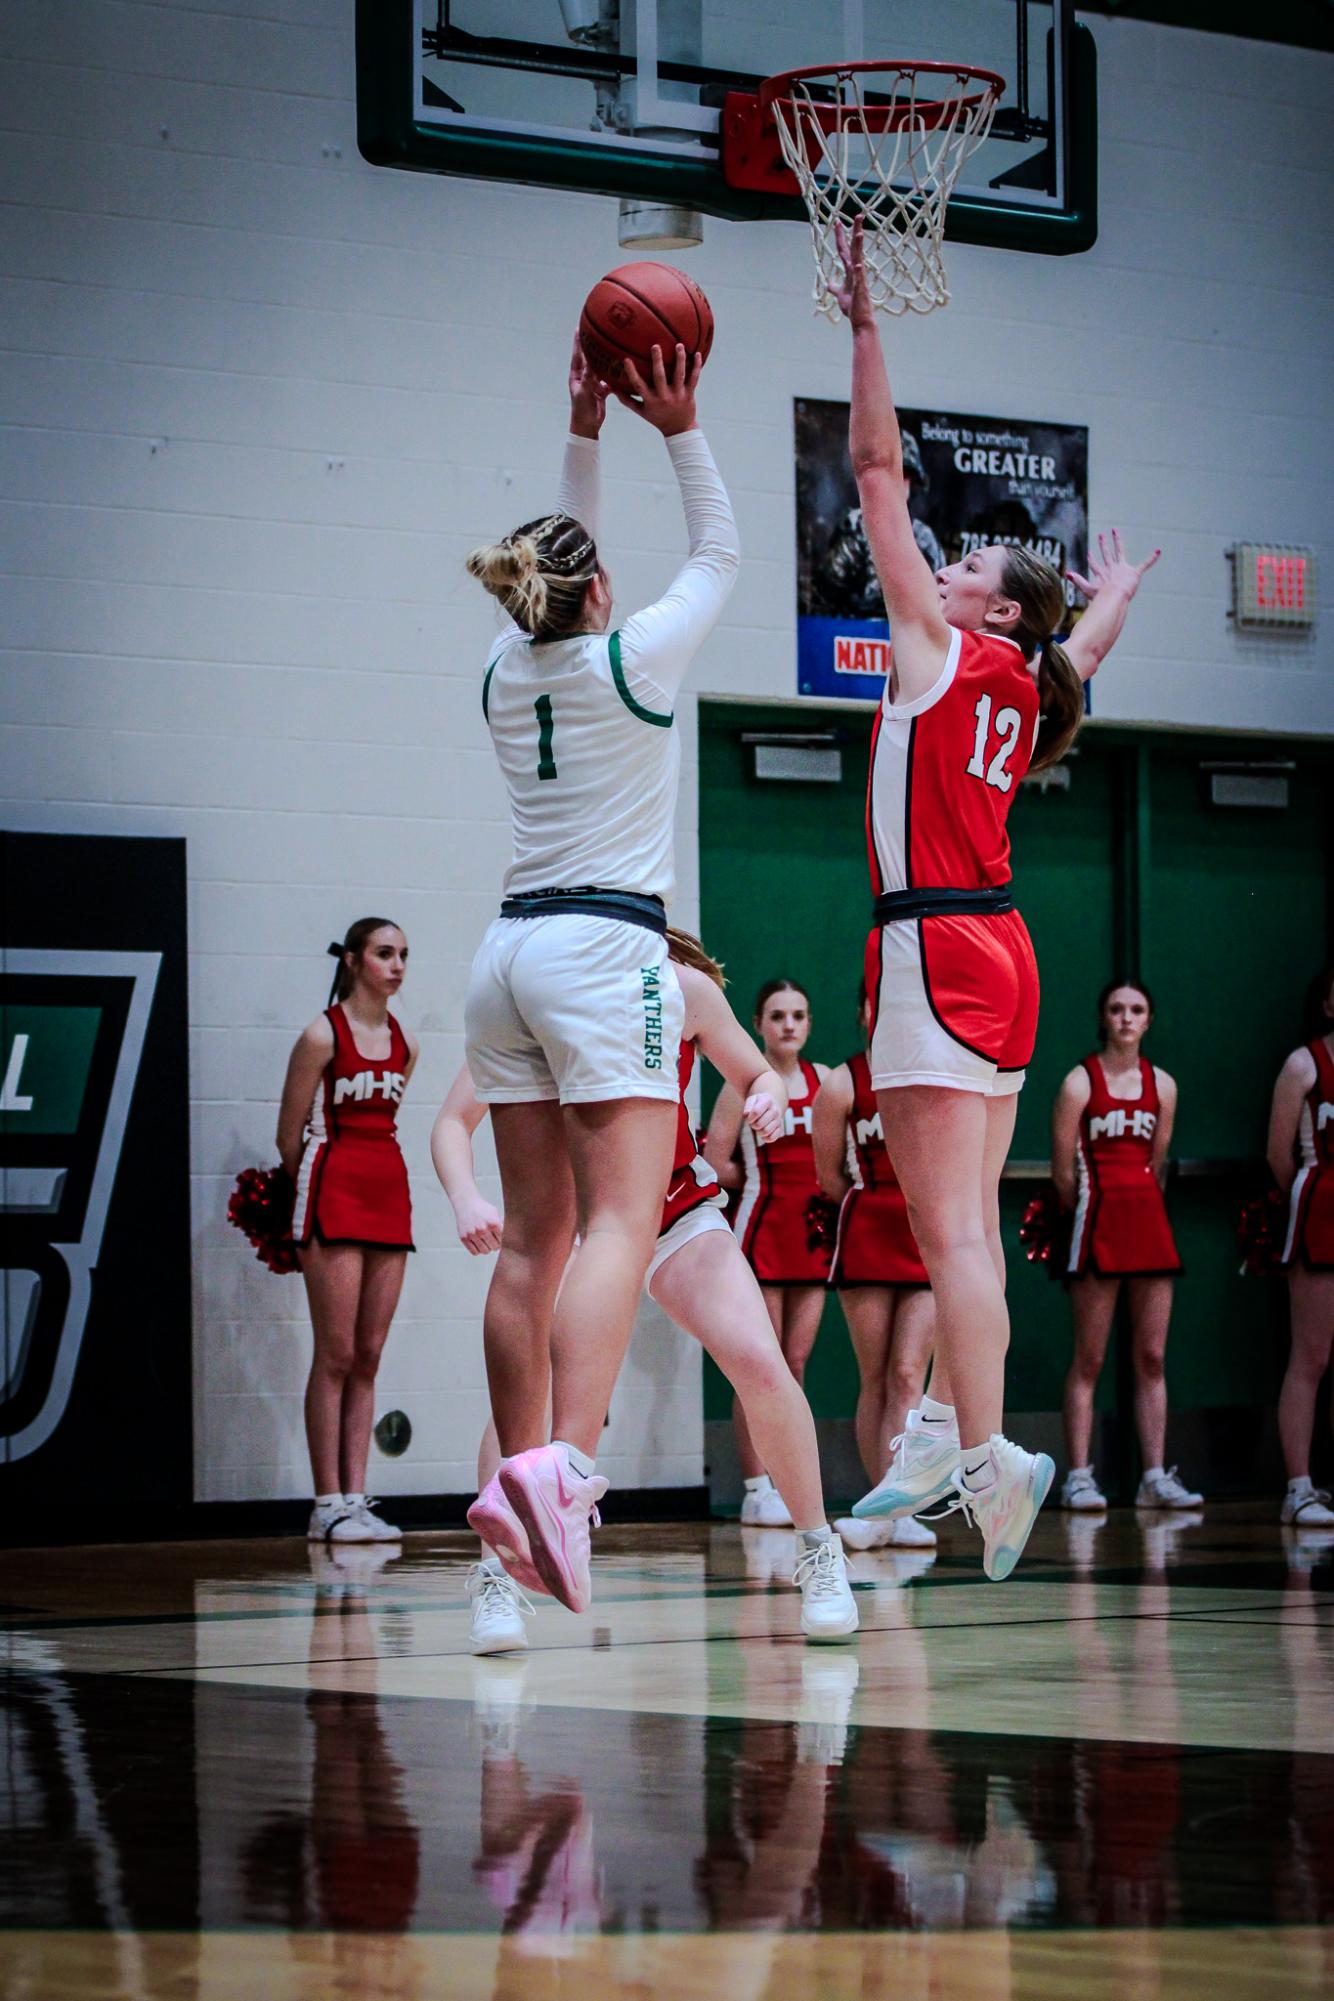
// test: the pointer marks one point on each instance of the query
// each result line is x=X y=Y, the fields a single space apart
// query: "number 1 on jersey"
x=1007 y=729
x=546 y=763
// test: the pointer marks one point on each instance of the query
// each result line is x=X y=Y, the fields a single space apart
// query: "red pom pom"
x=1044 y=1231
x=821 y=1223
x=261 y=1206
x=1261 y=1228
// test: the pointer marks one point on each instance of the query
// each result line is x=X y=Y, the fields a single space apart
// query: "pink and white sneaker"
x=495 y=1521
x=554 y=1504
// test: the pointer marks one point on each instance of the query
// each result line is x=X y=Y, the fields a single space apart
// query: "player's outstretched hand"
x=764 y=1118
x=479 y=1227
x=665 y=401
x=588 y=395
x=1112 y=572
x=853 y=294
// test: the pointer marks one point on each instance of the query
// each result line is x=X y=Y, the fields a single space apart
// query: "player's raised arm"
x=1109 y=587
x=659 y=643
x=920 y=634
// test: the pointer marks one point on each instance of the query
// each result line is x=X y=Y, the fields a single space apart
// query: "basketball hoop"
x=883 y=141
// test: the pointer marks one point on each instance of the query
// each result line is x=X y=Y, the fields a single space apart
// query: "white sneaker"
x=765 y=1508
x=1082 y=1495
x=828 y=1608
x=1007 y=1510
x=498 y=1609
x=769 y=1554
x=1311 y=1510
x=359 y=1506
x=921 y=1472
x=1165 y=1491
x=349 y=1566
x=912 y=1534
x=865 y=1535
x=828 y=1685
x=333 y=1521
x=500 y=1704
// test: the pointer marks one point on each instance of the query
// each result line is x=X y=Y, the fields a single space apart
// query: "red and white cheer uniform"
x=1120 y=1228
x=1310 y=1238
x=875 y=1244
x=780 y=1180
x=949 y=963
x=352 y=1185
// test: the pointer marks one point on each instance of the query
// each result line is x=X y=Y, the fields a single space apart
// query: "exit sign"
x=1273 y=586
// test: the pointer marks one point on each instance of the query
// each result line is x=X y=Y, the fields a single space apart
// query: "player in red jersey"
x=771 y=1223
x=978 y=694
x=1111 y=1131
x=880 y=1279
x=699 y=1278
x=338 y=1139
x=1300 y=1152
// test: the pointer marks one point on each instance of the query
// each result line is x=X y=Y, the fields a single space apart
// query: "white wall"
x=259 y=400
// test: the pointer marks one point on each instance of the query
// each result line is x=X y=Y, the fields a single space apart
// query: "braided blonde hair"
x=540 y=574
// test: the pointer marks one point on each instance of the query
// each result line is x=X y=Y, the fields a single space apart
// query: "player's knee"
x=904 y=1382
x=760 y=1369
x=335 y=1358
x=1150 y=1363
x=1085 y=1368
x=365 y=1363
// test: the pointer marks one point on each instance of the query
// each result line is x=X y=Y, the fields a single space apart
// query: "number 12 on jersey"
x=1007 y=732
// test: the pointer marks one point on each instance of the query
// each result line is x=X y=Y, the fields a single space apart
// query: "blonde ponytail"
x=540 y=574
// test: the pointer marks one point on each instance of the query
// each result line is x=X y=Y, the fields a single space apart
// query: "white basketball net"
x=893 y=163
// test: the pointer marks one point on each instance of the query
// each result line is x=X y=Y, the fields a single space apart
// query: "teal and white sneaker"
x=1006 y=1511
x=920 y=1474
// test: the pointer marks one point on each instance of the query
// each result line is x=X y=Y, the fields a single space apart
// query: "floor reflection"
x=336 y=1811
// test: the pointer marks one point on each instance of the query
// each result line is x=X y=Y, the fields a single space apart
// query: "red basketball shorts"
x=955 y=1003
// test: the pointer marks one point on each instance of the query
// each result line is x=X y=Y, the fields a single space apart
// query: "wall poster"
x=973 y=480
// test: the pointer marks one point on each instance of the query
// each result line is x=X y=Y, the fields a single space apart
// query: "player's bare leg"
x=381 y=1283
x=1093 y=1308
x=332 y=1273
x=708 y=1289
x=621 y=1156
x=539 y=1227
x=938 y=1140
x=1150 y=1314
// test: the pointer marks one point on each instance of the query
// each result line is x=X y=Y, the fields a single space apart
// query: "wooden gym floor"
x=254 y=1771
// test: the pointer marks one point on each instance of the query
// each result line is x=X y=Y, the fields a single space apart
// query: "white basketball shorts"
x=578 y=1009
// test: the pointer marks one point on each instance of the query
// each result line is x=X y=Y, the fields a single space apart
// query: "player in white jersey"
x=573 y=1012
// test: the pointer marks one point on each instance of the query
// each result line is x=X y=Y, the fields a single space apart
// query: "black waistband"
x=899 y=906
x=623 y=906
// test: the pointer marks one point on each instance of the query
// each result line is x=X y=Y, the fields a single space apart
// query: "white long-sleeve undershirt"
x=659 y=643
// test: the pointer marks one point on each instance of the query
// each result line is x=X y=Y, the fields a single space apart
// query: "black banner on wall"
x=971 y=480
x=95 y=1359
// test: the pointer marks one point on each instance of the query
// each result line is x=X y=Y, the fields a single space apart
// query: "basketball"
x=637 y=307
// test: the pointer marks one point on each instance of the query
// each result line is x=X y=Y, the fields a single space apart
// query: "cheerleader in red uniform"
x=353 y=1214
x=771 y=1223
x=1111 y=1130
x=1301 y=1157
x=880 y=1279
